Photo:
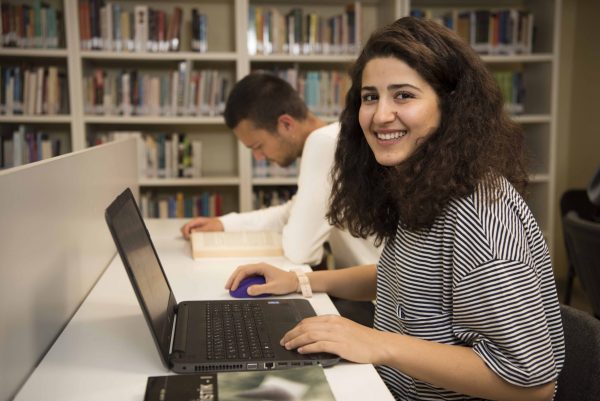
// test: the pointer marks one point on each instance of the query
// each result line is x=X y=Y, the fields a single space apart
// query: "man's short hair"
x=261 y=98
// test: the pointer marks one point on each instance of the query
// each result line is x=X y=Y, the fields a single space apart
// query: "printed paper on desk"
x=306 y=383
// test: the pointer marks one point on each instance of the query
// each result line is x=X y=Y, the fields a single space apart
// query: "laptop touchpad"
x=281 y=312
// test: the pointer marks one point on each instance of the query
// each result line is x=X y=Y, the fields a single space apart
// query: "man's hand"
x=202 y=224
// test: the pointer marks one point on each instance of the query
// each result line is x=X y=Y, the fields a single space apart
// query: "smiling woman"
x=428 y=162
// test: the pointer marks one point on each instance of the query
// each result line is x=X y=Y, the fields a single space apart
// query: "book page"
x=248 y=243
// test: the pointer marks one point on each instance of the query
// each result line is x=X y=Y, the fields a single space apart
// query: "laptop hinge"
x=180 y=335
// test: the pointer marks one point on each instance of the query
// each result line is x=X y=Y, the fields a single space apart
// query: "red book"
x=175 y=30
x=84 y=22
x=5 y=21
x=98 y=87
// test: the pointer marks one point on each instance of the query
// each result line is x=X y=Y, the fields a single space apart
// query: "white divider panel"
x=54 y=245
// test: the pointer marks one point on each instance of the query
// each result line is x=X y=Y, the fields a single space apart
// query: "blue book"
x=37 y=23
x=39 y=136
x=205 y=203
x=6 y=72
x=202 y=34
x=417 y=13
x=140 y=91
x=51 y=28
x=18 y=91
x=172 y=202
x=188 y=207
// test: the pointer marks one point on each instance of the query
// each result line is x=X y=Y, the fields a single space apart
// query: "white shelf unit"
x=226 y=163
x=34 y=53
x=55 y=125
x=375 y=13
x=35 y=119
x=220 y=155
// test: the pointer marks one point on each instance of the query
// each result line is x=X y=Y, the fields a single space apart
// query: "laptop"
x=204 y=336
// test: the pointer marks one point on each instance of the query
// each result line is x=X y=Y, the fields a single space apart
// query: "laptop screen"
x=143 y=267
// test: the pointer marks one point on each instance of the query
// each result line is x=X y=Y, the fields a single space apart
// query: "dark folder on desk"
x=204 y=336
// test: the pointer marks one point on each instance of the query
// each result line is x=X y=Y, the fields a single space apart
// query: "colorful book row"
x=180 y=205
x=27 y=146
x=495 y=31
x=34 y=25
x=112 y=26
x=180 y=92
x=263 y=198
x=323 y=91
x=33 y=91
x=513 y=90
x=296 y=32
x=262 y=168
x=161 y=155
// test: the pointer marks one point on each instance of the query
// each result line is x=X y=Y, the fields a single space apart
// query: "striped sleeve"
x=499 y=310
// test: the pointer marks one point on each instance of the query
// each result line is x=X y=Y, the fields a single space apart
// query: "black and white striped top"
x=481 y=277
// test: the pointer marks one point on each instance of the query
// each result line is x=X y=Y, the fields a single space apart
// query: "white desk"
x=106 y=352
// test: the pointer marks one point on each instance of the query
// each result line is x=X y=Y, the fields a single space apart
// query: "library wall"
x=578 y=136
x=584 y=132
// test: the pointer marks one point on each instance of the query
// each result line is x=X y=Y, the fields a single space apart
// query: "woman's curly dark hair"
x=476 y=138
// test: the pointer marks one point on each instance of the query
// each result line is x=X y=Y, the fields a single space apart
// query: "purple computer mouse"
x=241 y=291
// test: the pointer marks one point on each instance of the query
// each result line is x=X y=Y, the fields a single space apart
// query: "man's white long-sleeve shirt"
x=302 y=220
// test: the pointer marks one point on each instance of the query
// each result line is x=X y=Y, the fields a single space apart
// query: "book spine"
x=96 y=38
x=18 y=94
x=52 y=29
x=37 y=23
x=196 y=158
x=251 y=33
x=175 y=29
x=84 y=21
x=126 y=33
x=141 y=27
x=108 y=37
x=195 y=42
x=2 y=90
x=39 y=96
x=117 y=39
x=162 y=43
x=18 y=141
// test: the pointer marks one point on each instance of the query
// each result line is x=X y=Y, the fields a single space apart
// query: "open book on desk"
x=210 y=244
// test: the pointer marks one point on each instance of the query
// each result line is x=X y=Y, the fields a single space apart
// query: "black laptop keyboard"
x=237 y=330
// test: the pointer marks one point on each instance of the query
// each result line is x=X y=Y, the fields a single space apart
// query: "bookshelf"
x=34 y=72
x=539 y=72
x=227 y=167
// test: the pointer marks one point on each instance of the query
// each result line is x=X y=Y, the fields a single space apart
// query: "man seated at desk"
x=268 y=116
